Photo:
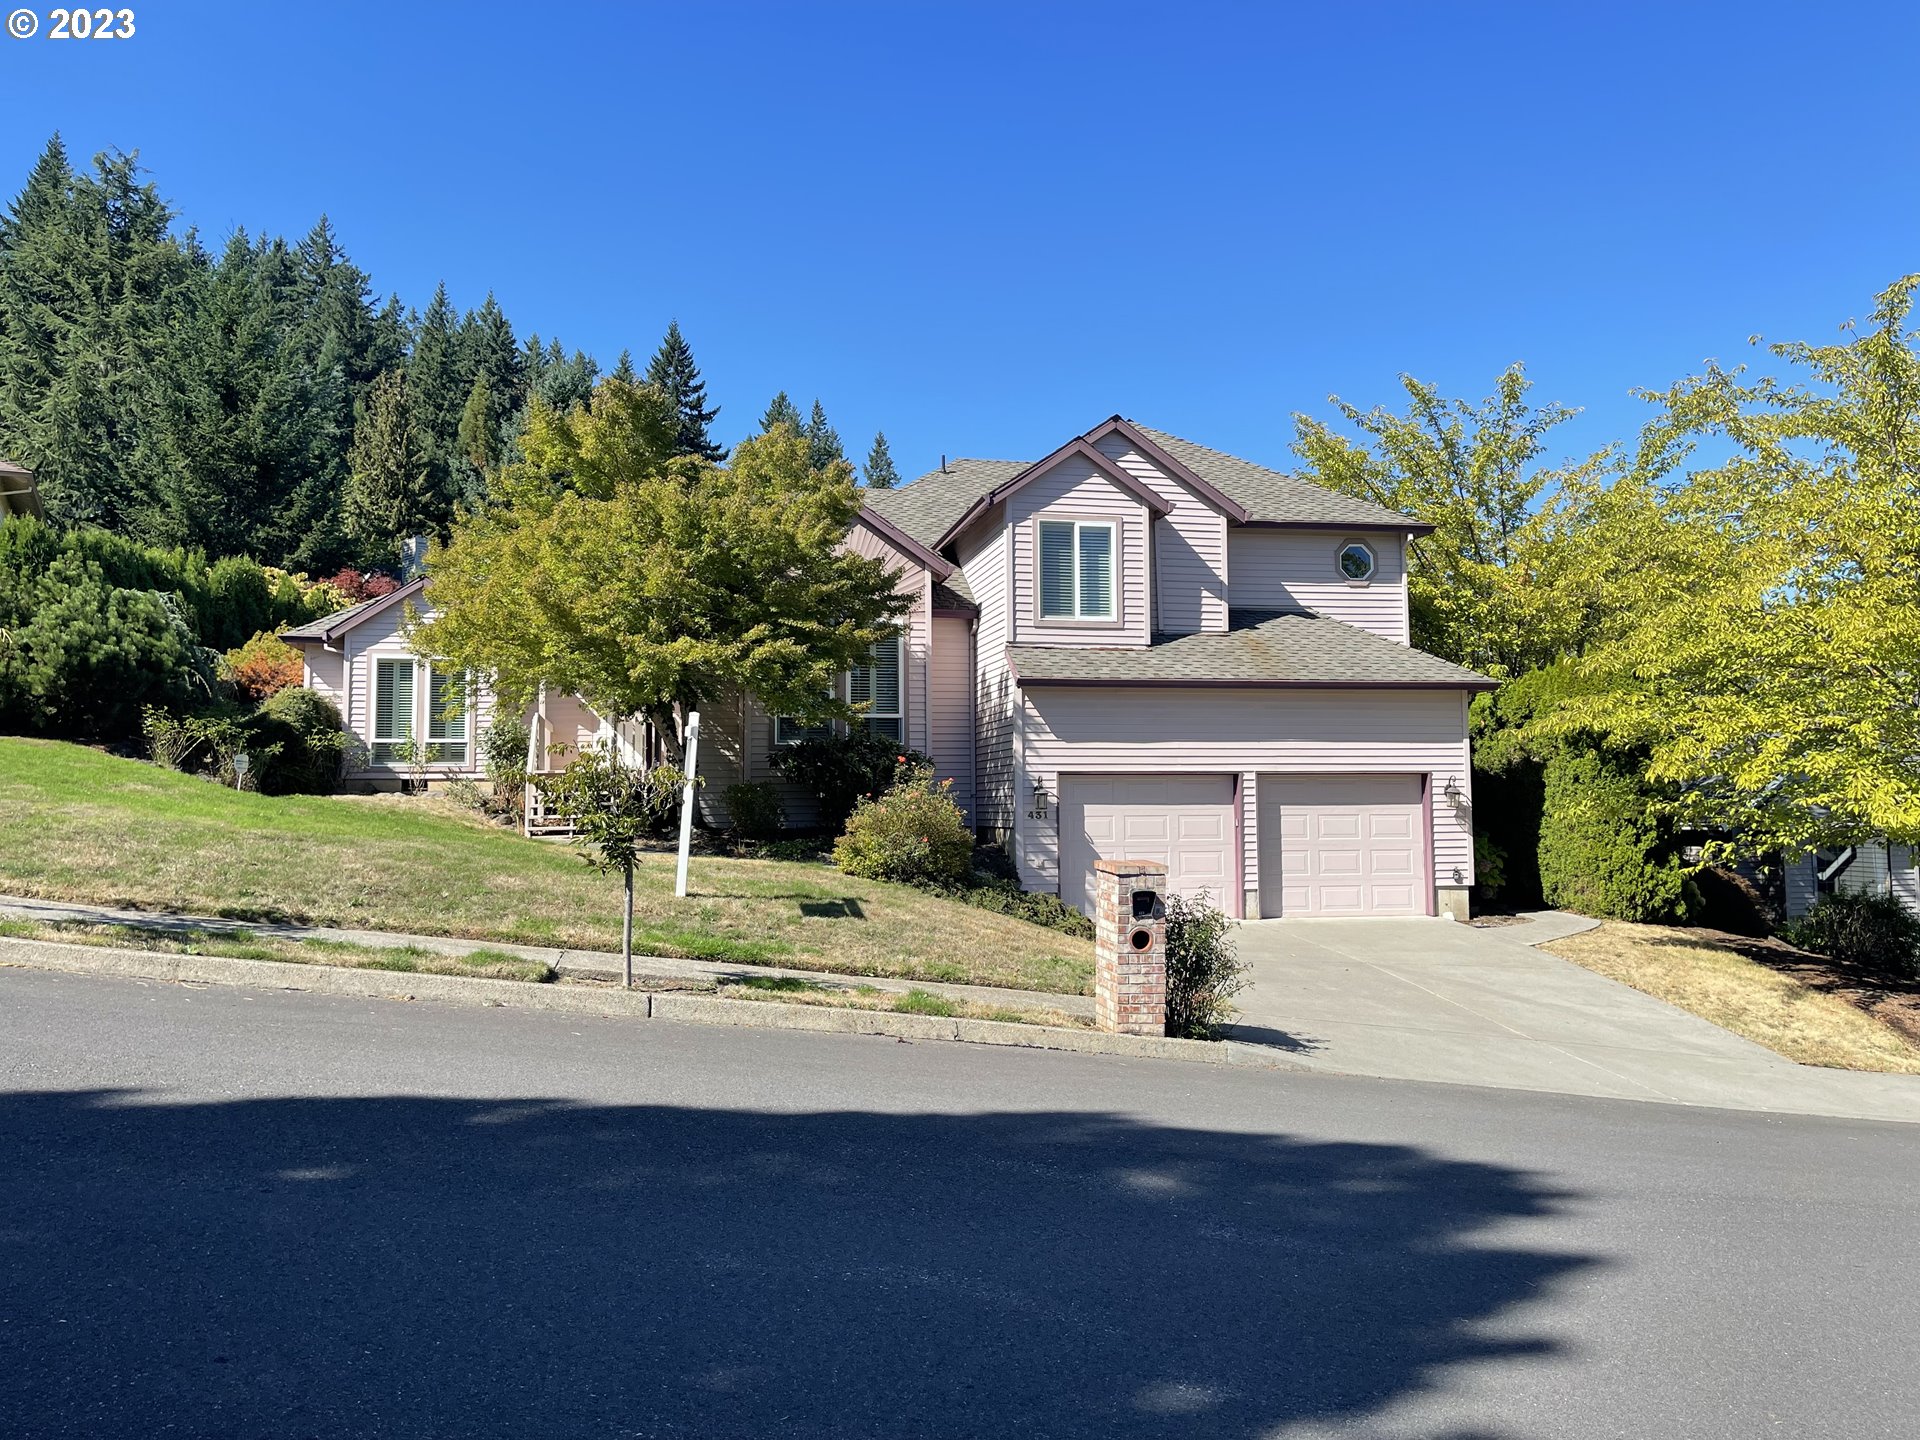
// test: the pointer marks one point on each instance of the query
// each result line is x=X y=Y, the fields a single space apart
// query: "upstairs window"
x=1356 y=561
x=1076 y=569
x=877 y=686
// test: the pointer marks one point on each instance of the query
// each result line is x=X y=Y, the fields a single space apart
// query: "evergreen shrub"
x=1604 y=849
x=913 y=832
x=1874 y=932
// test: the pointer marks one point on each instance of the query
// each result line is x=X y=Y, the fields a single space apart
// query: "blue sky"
x=986 y=227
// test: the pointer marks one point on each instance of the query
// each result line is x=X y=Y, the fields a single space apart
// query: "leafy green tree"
x=782 y=411
x=1488 y=588
x=613 y=807
x=651 y=584
x=390 y=494
x=673 y=372
x=823 y=441
x=1764 y=651
x=880 y=472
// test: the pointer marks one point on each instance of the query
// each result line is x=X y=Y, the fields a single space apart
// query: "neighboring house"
x=1135 y=647
x=19 y=492
x=1871 y=869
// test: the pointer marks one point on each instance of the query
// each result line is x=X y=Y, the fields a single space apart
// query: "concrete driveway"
x=1433 y=1000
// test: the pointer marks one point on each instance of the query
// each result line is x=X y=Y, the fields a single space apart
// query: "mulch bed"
x=1891 y=999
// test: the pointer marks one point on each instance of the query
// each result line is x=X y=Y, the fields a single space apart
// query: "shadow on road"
x=412 y=1267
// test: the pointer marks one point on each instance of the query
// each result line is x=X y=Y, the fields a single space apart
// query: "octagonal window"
x=1356 y=561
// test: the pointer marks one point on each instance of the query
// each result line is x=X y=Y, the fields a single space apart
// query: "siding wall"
x=1296 y=569
x=1868 y=874
x=987 y=568
x=1190 y=551
x=1127 y=731
x=1075 y=489
x=950 y=706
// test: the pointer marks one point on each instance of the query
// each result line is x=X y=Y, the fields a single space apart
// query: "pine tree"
x=823 y=441
x=389 y=495
x=880 y=472
x=437 y=396
x=673 y=372
x=479 y=436
x=623 y=370
x=782 y=411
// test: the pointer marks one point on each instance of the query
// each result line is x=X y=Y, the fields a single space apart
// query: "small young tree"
x=611 y=805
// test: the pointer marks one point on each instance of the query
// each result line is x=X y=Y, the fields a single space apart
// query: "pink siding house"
x=1133 y=648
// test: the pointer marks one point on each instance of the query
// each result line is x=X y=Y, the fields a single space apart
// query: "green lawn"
x=76 y=824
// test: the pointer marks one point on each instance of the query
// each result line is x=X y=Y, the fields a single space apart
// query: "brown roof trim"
x=928 y=558
x=963 y=612
x=1074 y=448
x=323 y=632
x=1084 y=682
x=1397 y=527
x=1134 y=436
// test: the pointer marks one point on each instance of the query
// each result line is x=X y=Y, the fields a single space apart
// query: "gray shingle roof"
x=952 y=593
x=327 y=626
x=1261 y=647
x=1272 y=495
x=927 y=507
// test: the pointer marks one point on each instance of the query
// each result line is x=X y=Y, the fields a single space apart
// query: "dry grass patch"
x=76 y=824
x=1707 y=974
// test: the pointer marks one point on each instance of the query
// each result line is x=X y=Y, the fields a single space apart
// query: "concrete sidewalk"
x=1431 y=1000
x=572 y=962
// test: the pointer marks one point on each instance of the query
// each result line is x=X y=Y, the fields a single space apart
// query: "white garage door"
x=1183 y=821
x=1341 y=845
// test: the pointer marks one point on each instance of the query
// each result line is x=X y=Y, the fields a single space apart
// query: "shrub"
x=1035 y=907
x=1604 y=850
x=1875 y=932
x=754 y=811
x=307 y=728
x=262 y=667
x=469 y=796
x=838 y=771
x=1203 y=968
x=358 y=585
x=83 y=657
x=914 y=832
x=503 y=751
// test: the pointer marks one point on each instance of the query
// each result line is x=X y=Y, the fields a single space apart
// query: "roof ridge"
x=1227 y=455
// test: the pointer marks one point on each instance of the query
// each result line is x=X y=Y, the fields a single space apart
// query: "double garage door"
x=1329 y=844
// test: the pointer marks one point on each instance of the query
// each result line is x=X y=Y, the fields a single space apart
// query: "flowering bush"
x=913 y=832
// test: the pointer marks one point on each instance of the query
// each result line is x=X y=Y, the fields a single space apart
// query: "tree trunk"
x=626 y=930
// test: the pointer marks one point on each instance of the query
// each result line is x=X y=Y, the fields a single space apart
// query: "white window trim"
x=1111 y=616
x=419 y=717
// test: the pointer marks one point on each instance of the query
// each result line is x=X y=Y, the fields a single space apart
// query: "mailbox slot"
x=1146 y=904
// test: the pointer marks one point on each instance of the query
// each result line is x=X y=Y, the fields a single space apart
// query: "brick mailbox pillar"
x=1130 y=946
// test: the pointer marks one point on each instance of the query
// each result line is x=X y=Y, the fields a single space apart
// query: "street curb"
x=616 y=1004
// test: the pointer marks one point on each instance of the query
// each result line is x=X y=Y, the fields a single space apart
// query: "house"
x=19 y=492
x=1134 y=647
x=1871 y=869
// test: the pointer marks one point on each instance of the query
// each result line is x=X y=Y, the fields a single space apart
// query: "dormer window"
x=1076 y=569
x=1356 y=561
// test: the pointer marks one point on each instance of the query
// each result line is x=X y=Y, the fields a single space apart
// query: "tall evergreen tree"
x=389 y=495
x=435 y=391
x=480 y=443
x=782 y=411
x=623 y=370
x=823 y=441
x=880 y=472
x=673 y=372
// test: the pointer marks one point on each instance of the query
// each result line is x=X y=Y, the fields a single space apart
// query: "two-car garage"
x=1327 y=845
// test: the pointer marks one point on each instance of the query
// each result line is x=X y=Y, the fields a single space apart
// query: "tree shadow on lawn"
x=411 y=1267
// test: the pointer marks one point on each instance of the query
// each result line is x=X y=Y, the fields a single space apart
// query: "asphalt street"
x=238 y=1213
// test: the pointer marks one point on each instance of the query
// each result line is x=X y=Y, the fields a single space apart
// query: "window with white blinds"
x=1076 y=569
x=392 y=709
x=877 y=686
x=449 y=710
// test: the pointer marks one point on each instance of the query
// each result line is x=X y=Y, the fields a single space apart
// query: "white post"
x=686 y=804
